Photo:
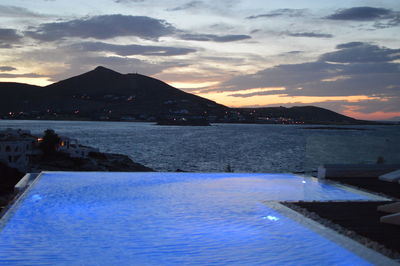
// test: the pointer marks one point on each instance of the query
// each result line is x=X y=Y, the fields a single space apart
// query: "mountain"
x=103 y=94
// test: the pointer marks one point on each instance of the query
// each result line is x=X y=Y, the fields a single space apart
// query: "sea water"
x=240 y=147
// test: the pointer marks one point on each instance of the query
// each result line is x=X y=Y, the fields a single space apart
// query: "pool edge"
x=11 y=207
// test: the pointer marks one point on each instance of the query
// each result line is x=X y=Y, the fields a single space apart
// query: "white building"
x=16 y=146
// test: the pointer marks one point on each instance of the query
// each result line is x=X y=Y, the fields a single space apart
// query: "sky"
x=343 y=55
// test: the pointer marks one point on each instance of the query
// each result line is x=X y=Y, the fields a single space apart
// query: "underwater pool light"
x=36 y=197
x=271 y=218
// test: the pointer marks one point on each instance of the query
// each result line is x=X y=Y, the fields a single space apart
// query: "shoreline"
x=322 y=123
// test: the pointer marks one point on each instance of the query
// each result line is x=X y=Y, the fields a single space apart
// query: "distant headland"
x=106 y=95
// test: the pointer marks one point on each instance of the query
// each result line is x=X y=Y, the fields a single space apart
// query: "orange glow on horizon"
x=193 y=85
x=274 y=99
x=372 y=116
x=284 y=99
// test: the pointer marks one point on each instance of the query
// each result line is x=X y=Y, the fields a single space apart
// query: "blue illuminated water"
x=167 y=219
x=246 y=148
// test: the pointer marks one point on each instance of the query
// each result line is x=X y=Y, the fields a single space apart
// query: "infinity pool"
x=167 y=219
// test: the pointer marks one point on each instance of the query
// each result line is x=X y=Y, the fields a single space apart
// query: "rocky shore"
x=96 y=161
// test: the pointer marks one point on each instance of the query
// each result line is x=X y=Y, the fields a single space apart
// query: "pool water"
x=103 y=218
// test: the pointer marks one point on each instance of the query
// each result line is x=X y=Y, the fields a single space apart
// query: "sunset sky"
x=343 y=55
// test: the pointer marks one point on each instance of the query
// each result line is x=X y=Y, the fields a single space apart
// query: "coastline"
x=305 y=123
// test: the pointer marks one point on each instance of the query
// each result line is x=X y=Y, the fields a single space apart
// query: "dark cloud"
x=103 y=27
x=221 y=7
x=7 y=68
x=383 y=18
x=310 y=34
x=354 y=69
x=360 y=13
x=133 y=49
x=281 y=12
x=295 y=52
x=9 y=37
x=356 y=52
x=394 y=21
x=189 y=5
x=349 y=45
x=17 y=12
x=214 y=38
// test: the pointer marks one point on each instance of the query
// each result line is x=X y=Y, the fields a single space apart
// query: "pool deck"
x=359 y=220
x=372 y=184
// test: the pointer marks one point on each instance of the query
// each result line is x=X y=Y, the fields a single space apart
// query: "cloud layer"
x=7 y=68
x=353 y=69
x=309 y=34
x=104 y=27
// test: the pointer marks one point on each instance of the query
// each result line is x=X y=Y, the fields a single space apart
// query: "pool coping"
x=349 y=244
x=353 y=189
x=11 y=207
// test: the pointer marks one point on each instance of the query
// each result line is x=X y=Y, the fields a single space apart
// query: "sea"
x=250 y=148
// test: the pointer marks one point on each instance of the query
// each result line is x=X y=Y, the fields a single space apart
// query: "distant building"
x=74 y=149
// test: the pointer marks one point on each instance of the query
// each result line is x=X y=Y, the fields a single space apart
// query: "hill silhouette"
x=104 y=94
